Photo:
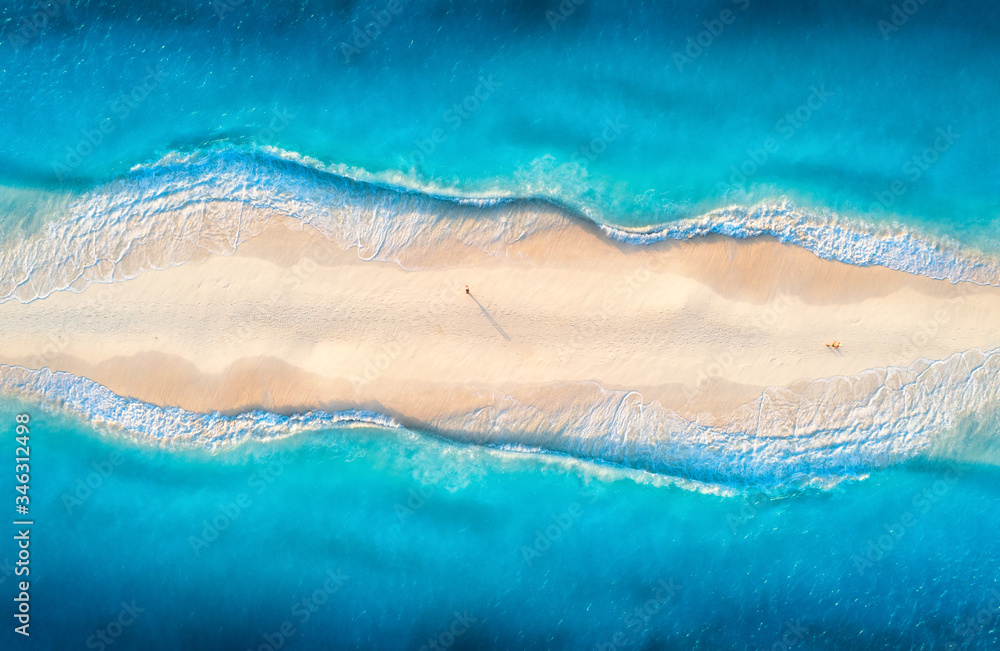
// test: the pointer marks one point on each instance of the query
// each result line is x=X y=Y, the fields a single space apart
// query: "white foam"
x=169 y=426
x=832 y=238
x=169 y=212
x=816 y=435
x=209 y=201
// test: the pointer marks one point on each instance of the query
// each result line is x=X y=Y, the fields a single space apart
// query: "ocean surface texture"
x=137 y=136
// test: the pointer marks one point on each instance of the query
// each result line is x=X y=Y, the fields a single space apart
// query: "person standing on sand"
x=466 y=289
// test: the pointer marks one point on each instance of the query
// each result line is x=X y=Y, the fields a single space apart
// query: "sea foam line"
x=210 y=201
x=814 y=434
x=169 y=426
x=817 y=434
x=830 y=238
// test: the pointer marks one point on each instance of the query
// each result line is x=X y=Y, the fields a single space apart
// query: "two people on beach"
x=835 y=345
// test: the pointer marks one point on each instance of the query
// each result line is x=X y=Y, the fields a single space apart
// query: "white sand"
x=291 y=322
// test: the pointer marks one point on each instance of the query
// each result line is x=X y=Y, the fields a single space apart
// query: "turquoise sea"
x=864 y=131
x=363 y=537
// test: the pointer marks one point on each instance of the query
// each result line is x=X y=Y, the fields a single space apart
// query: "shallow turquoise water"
x=530 y=551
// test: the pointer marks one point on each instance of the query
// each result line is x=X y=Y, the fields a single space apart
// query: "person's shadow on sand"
x=492 y=320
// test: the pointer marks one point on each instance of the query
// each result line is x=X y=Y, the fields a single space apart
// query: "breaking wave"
x=187 y=205
x=814 y=435
x=168 y=426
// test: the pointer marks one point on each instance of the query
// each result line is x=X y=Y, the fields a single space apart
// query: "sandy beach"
x=292 y=322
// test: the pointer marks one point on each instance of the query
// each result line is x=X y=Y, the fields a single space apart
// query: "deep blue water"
x=529 y=551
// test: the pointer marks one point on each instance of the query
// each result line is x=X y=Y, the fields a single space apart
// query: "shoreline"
x=191 y=208
x=701 y=359
x=815 y=434
x=293 y=322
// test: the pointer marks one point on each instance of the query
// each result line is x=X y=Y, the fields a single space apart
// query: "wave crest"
x=817 y=434
x=209 y=201
x=169 y=426
x=830 y=238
